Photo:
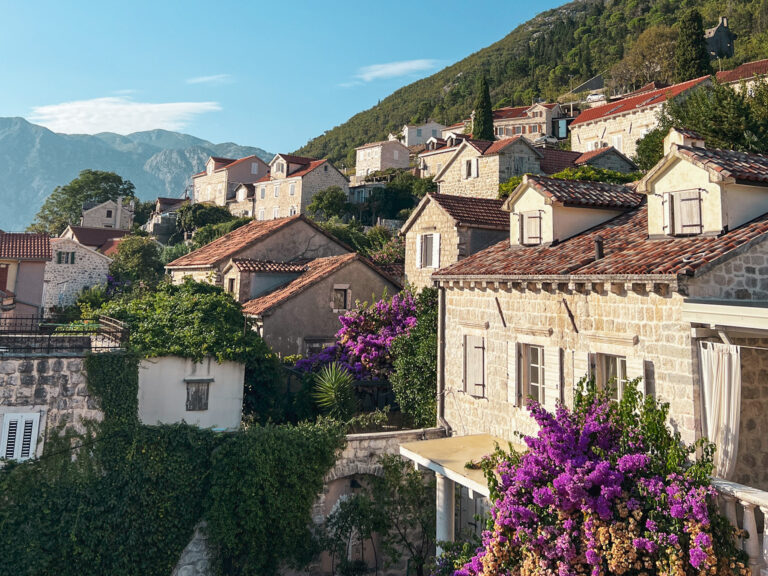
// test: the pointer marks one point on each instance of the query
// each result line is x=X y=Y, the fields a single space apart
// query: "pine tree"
x=482 y=126
x=691 y=54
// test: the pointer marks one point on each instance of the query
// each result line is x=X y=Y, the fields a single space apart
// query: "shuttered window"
x=197 y=395
x=535 y=372
x=468 y=169
x=19 y=436
x=530 y=227
x=682 y=213
x=474 y=365
x=428 y=251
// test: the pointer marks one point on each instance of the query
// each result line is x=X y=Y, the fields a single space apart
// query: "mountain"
x=34 y=160
x=540 y=59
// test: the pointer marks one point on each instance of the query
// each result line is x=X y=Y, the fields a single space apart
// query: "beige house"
x=623 y=122
x=72 y=268
x=297 y=306
x=117 y=214
x=608 y=158
x=291 y=184
x=23 y=258
x=241 y=204
x=477 y=167
x=217 y=183
x=162 y=223
x=282 y=240
x=378 y=156
x=437 y=153
x=661 y=284
x=748 y=74
x=531 y=122
x=415 y=134
x=444 y=229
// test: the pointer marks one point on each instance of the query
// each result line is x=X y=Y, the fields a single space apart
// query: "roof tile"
x=743 y=166
x=480 y=212
x=744 y=72
x=24 y=246
x=586 y=193
x=268 y=266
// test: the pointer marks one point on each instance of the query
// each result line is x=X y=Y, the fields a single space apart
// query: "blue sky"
x=268 y=74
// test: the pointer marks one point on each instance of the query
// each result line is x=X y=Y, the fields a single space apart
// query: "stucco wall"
x=163 y=392
x=121 y=217
x=211 y=188
x=63 y=282
x=29 y=288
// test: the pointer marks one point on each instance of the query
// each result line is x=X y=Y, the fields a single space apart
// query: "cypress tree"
x=691 y=53
x=482 y=126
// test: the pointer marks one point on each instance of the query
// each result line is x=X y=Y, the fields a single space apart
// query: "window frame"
x=199 y=402
x=525 y=217
x=346 y=294
x=25 y=422
x=427 y=250
x=675 y=223
x=600 y=368
x=526 y=372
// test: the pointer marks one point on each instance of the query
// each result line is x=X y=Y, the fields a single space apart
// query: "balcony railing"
x=32 y=336
x=747 y=509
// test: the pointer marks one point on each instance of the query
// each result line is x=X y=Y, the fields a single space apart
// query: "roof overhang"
x=449 y=457
x=554 y=279
x=748 y=315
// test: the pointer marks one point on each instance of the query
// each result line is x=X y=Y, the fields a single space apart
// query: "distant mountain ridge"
x=34 y=160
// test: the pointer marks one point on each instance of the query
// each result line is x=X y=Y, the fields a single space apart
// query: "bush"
x=137 y=262
x=333 y=392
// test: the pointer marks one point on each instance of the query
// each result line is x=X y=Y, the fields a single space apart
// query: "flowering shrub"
x=363 y=343
x=606 y=489
x=392 y=252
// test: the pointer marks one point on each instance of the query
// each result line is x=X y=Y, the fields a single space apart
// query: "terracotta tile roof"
x=650 y=87
x=557 y=160
x=743 y=166
x=592 y=154
x=222 y=160
x=625 y=105
x=510 y=112
x=585 y=193
x=203 y=173
x=478 y=212
x=627 y=249
x=396 y=270
x=230 y=244
x=296 y=159
x=488 y=147
x=379 y=143
x=24 y=246
x=744 y=72
x=109 y=248
x=96 y=237
x=268 y=266
x=232 y=163
x=317 y=270
x=307 y=168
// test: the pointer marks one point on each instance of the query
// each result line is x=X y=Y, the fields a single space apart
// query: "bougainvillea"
x=606 y=489
x=362 y=345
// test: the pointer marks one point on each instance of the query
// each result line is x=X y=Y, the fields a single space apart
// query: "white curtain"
x=721 y=398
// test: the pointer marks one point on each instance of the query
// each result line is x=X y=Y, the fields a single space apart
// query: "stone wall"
x=64 y=281
x=742 y=277
x=631 y=127
x=211 y=188
x=432 y=219
x=612 y=161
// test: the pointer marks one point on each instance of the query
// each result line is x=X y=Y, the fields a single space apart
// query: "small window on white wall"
x=19 y=436
x=261 y=214
x=276 y=189
x=254 y=168
x=616 y=141
x=292 y=190
x=197 y=394
x=263 y=192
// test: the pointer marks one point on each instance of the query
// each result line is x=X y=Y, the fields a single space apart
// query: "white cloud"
x=214 y=79
x=394 y=69
x=121 y=115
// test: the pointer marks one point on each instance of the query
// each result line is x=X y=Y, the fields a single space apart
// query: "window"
x=434 y=133
x=534 y=128
x=474 y=365
x=18 y=440
x=275 y=212
x=518 y=129
x=292 y=211
x=610 y=373
x=276 y=190
x=230 y=285
x=428 y=251
x=325 y=168
x=65 y=257
x=197 y=394
x=534 y=372
x=254 y=168
x=418 y=132
x=340 y=298
x=616 y=141
x=263 y=192
x=530 y=228
x=109 y=213
x=314 y=346
x=261 y=213
x=682 y=213
x=468 y=169
x=292 y=189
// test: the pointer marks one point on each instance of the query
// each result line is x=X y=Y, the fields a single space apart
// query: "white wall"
x=163 y=392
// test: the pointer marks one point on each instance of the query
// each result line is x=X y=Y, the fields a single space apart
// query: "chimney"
x=118 y=212
x=682 y=138
x=599 y=252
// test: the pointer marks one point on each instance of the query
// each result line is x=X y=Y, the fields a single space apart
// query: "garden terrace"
x=37 y=336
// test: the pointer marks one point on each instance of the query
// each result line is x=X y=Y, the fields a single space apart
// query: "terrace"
x=37 y=336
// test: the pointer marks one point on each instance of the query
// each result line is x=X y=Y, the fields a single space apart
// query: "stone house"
x=415 y=134
x=241 y=204
x=280 y=240
x=162 y=223
x=477 y=167
x=607 y=158
x=23 y=258
x=72 y=268
x=623 y=122
x=217 y=183
x=748 y=74
x=437 y=153
x=444 y=229
x=532 y=122
x=382 y=155
x=291 y=184
x=117 y=214
x=720 y=40
x=95 y=238
x=601 y=280
x=297 y=306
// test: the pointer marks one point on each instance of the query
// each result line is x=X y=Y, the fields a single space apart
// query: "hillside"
x=34 y=160
x=541 y=58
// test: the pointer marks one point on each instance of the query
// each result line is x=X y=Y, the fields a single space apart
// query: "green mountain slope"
x=541 y=59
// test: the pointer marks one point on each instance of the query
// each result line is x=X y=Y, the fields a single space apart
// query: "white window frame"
x=263 y=192
x=18 y=429
x=292 y=189
x=276 y=212
x=261 y=213
x=607 y=367
x=276 y=190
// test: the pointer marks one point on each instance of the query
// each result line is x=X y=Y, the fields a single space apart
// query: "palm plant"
x=333 y=392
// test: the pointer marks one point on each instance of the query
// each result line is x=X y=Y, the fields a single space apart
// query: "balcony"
x=746 y=508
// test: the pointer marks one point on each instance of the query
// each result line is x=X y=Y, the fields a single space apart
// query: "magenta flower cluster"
x=363 y=342
x=584 y=499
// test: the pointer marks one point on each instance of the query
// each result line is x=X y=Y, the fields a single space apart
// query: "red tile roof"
x=317 y=270
x=232 y=243
x=585 y=193
x=650 y=87
x=477 y=212
x=24 y=246
x=557 y=160
x=743 y=166
x=238 y=161
x=626 y=246
x=586 y=157
x=510 y=112
x=744 y=72
x=96 y=237
x=296 y=159
x=306 y=168
x=268 y=266
x=653 y=98
x=109 y=248
x=222 y=160
x=488 y=147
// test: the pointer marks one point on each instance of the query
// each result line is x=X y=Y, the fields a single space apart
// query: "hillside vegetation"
x=542 y=58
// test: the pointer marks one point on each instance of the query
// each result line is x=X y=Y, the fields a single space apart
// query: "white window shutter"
x=552 y=380
x=475 y=167
x=19 y=436
x=514 y=394
x=581 y=367
x=436 y=250
x=418 y=250
x=666 y=206
x=636 y=369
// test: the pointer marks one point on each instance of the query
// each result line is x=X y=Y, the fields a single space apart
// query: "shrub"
x=333 y=392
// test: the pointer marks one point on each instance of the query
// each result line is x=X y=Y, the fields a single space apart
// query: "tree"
x=137 y=261
x=209 y=232
x=328 y=203
x=648 y=59
x=193 y=216
x=650 y=149
x=691 y=54
x=65 y=204
x=142 y=212
x=587 y=172
x=482 y=124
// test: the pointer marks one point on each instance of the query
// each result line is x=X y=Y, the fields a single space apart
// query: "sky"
x=267 y=74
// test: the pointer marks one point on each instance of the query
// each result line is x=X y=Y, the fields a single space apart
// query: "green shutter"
x=72 y=258
x=58 y=257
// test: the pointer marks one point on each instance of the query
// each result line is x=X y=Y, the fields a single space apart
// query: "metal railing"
x=37 y=336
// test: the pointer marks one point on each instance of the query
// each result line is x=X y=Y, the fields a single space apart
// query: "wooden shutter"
x=687 y=212
x=552 y=378
x=666 y=209
x=475 y=167
x=436 y=250
x=58 y=257
x=197 y=395
x=418 y=250
x=474 y=354
x=71 y=257
x=514 y=392
x=19 y=436
x=531 y=228
x=636 y=369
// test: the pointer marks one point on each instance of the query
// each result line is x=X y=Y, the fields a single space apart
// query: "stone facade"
x=610 y=160
x=53 y=387
x=430 y=163
x=73 y=268
x=622 y=132
x=535 y=123
x=380 y=156
x=221 y=176
x=195 y=559
x=419 y=134
x=110 y=214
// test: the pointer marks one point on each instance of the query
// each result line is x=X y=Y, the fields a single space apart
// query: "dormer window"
x=682 y=213
x=530 y=228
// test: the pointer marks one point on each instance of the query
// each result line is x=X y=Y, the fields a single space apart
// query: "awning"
x=747 y=315
x=449 y=456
